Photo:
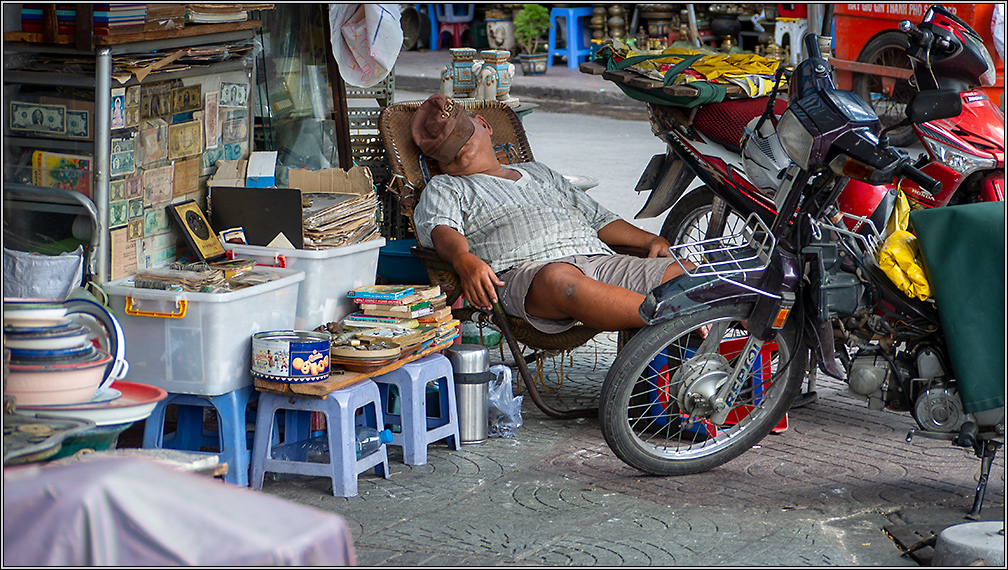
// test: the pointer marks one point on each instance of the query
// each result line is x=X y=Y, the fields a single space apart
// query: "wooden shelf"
x=189 y=31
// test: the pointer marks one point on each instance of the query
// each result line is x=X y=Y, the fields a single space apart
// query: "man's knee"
x=558 y=280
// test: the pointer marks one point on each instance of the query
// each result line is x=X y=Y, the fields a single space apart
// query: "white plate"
x=34 y=317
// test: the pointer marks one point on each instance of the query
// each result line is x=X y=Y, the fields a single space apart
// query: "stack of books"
x=111 y=19
x=66 y=18
x=402 y=314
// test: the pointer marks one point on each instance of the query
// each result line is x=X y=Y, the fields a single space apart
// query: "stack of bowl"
x=52 y=359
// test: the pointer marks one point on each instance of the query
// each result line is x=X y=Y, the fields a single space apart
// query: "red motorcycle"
x=965 y=153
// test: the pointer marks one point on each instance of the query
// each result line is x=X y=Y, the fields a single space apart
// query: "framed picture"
x=201 y=239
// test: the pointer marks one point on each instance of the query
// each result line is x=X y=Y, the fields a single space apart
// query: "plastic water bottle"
x=370 y=440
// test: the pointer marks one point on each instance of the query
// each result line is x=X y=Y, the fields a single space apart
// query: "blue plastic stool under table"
x=231 y=437
x=575 y=52
x=418 y=428
x=340 y=407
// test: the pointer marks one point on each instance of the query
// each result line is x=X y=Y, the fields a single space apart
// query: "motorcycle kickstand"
x=809 y=396
x=986 y=450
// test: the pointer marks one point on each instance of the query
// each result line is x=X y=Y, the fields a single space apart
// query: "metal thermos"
x=471 y=368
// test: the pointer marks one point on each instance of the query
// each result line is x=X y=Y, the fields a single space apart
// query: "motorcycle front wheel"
x=641 y=411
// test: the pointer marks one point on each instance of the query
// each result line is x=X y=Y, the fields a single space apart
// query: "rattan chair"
x=411 y=170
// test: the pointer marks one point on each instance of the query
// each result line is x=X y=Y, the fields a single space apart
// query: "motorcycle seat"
x=725 y=122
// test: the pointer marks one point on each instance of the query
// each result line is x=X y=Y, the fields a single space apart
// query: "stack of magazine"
x=334 y=220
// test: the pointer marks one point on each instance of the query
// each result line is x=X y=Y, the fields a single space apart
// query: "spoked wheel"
x=887 y=96
x=688 y=220
x=650 y=409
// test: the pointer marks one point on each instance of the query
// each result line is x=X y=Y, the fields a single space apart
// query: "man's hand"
x=659 y=247
x=478 y=281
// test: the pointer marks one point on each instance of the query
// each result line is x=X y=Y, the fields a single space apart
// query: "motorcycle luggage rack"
x=870 y=243
x=746 y=251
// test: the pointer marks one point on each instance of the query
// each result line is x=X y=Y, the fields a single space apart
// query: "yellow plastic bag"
x=898 y=259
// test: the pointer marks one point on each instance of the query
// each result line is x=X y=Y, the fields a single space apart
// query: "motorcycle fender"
x=667 y=176
x=685 y=294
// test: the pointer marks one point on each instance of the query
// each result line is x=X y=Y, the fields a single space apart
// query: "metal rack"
x=17 y=43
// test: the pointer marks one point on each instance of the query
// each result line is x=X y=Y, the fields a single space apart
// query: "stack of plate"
x=67 y=360
x=52 y=361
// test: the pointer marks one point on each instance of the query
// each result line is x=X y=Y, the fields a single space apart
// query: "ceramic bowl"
x=47 y=384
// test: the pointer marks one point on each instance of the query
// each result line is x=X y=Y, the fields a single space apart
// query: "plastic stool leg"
x=153 y=434
x=435 y=29
x=230 y=409
x=551 y=41
x=262 y=445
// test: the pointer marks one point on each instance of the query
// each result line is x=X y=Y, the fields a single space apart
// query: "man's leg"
x=562 y=291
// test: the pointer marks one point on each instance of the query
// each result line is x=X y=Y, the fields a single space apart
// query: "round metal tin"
x=291 y=356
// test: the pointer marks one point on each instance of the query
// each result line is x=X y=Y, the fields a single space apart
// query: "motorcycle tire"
x=888 y=49
x=687 y=221
x=654 y=439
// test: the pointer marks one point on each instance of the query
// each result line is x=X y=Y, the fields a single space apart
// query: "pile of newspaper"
x=334 y=220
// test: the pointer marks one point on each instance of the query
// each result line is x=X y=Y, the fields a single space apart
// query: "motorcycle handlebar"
x=908 y=28
x=911 y=173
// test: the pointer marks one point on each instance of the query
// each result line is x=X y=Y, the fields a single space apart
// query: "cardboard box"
x=357 y=180
x=230 y=173
x=261 y=171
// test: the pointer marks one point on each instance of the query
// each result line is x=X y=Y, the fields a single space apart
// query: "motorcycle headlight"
x=958 y=160
x=795 y=139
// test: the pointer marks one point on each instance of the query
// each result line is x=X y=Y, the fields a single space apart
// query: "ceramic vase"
x=500 y=34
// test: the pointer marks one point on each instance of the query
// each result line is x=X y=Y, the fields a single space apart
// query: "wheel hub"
x=700 y=377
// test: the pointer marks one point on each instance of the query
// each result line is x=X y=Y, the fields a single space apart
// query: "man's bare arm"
x=621 y=232
x=477 y=279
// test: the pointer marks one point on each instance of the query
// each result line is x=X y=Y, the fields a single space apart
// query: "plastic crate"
x=329 y=275
x=200 y=343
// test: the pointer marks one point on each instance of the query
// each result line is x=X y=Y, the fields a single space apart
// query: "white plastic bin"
x=200 y=343
x=329 y=275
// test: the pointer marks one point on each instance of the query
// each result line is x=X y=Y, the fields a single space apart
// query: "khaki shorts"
x=640 y=274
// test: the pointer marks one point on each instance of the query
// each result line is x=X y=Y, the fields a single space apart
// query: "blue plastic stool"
x=418 y=428
x=231 y=437
x=339 y=407
x=575 y=52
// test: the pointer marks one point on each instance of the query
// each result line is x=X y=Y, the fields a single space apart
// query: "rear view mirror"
x=934 y=104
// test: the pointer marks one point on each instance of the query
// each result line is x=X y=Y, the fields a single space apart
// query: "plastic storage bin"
x=329 y=275
x=200 y=343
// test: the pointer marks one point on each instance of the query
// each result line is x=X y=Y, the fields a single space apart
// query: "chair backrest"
x=411 y=169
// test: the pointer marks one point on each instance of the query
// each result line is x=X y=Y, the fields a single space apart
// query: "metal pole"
x=100 y=163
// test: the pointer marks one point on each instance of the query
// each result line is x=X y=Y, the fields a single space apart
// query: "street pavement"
x=840 y=487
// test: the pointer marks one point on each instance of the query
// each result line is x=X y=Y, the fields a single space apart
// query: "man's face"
x=474 y=151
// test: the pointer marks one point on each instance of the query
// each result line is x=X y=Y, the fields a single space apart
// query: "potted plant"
x=531 y=23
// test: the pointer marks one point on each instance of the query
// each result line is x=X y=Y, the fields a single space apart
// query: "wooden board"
x=339 y=379
x=639 y=81
x=190 y=30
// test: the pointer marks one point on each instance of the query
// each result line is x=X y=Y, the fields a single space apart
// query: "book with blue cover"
x=380 y=291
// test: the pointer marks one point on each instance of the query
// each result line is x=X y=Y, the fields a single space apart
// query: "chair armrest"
x=440 y=272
